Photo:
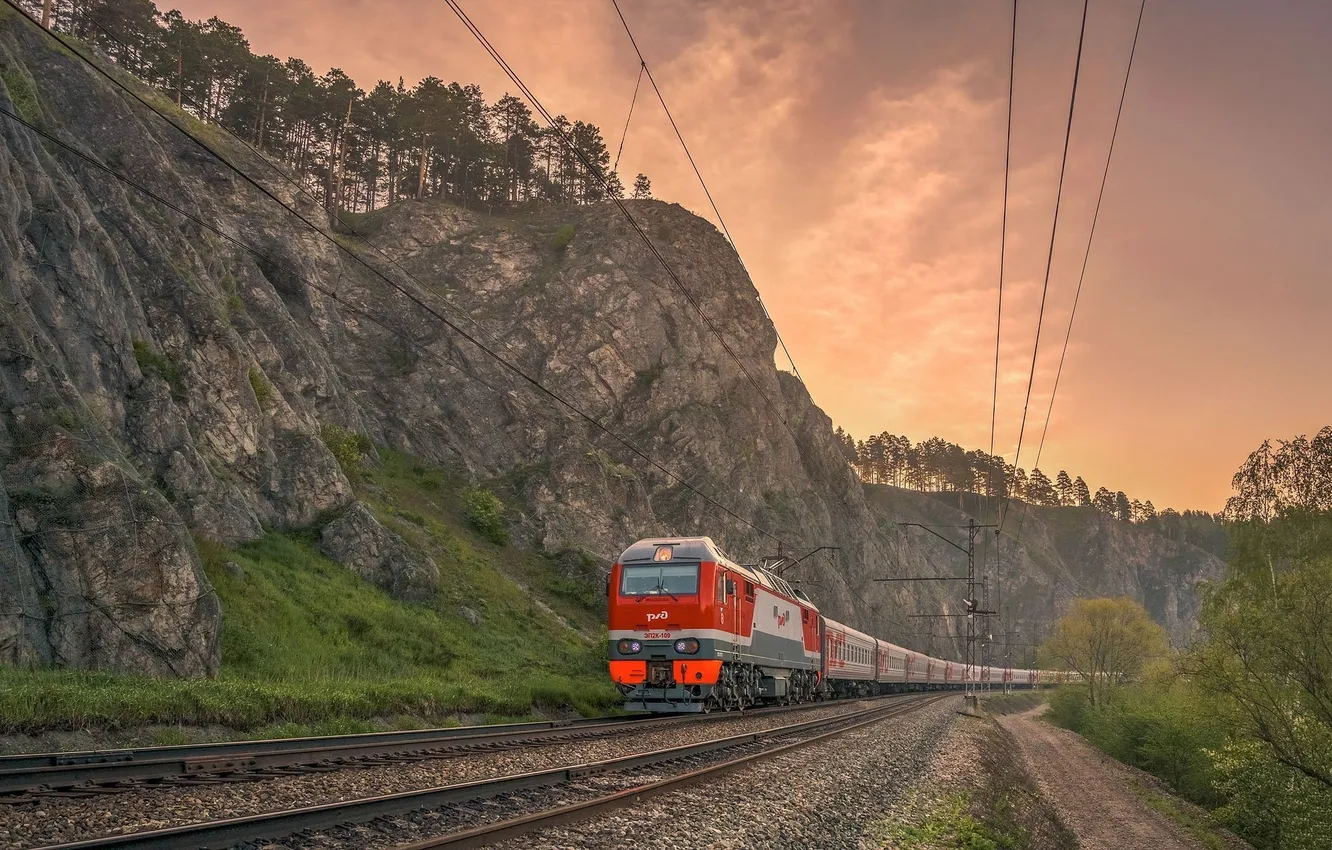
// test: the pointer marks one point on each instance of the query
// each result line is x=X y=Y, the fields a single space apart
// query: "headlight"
x=629 y=647
x=686 y=646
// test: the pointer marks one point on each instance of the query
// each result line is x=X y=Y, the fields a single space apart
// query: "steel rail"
x=26 y=773
x=275 y=825
x=573 y=812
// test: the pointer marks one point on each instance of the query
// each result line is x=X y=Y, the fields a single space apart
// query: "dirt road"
x=1090 y=791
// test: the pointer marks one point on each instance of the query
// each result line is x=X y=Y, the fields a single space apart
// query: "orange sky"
x=856 y=151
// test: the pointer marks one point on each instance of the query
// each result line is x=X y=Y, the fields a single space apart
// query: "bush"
x=263 y=390
x=1069 y=705
x=563 y=235
x=347 y=447
x=155 y=363
x=485 y=512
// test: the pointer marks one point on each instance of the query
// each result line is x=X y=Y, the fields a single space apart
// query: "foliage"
x=642 y=187
x=21 y=92
x=1297 y=475
x=1107 y=641
x=485 y=512
x=263 y=390
x=952 y=825
x=347 y=447
x=359 y=148
x=938 y=465
x=563 y=235
x=1269 y=653
x=1266 y=802
x=153 y=362
x=308 y=646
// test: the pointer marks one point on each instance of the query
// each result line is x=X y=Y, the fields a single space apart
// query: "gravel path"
x=821 y=796
x=58 y=820
x=1090 y=791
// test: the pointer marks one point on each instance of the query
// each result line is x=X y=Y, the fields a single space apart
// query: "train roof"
x=704 y=549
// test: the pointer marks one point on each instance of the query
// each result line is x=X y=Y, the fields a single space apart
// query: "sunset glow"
x=856 y=151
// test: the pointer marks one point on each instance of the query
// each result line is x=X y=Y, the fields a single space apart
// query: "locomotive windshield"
x=659 y=579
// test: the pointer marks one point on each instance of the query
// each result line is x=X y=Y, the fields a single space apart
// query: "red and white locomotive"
x=691 y=630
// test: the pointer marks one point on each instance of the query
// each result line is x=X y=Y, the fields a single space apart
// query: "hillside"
x=163 y=390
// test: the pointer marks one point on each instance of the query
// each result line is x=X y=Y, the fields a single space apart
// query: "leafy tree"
x=642 y=187
x=1106 y=641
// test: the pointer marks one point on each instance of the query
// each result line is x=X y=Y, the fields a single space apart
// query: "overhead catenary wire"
x=1091 y=236
x=596 y=172
x=1049 y=260
x=643 y=66
x=490 y=352
x=1003 y=245
x=351 y=308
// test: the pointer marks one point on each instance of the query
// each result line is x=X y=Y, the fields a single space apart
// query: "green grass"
x=950 y=825
x=309 y=648
x=21 y=92
x=1196 y=822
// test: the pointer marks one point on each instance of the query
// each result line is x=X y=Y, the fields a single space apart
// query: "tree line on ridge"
x=358 y=150
x=938 y=465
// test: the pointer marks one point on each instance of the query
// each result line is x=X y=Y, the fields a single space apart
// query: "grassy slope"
x=307 y=646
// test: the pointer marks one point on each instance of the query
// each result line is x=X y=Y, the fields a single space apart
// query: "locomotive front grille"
x=659 y=674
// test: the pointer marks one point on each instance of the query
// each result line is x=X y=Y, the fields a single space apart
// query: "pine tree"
x=1123 y=508
x=1064 y=485
x=1039 y=489
x=1104 y=501
x=1081 y=493
x=642 y=187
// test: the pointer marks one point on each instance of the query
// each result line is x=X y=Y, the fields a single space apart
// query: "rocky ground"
x=68 y=819
x=976 y=790
x=825 y=796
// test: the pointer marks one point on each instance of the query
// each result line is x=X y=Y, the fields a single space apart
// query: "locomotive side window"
x=749 y=591
x=721 y=587
x=659 y=579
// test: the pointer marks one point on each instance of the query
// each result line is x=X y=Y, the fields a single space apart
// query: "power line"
x=403 y=291
x=643 y=66
x=595 y=172
x=334 y=296
x=1003 y=243
x=1105 y=174
x=1054 y=229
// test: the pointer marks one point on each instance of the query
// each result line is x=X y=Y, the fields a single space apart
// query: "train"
x=690 y=630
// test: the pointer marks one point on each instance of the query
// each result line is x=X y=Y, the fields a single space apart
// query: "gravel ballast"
x=51 y=821
x=825 y=796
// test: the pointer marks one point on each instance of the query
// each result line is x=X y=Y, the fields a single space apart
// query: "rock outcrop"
x=358 y=540
x=158 y=382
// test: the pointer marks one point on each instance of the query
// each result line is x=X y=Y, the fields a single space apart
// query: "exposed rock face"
x=376 y=554
x=155 y=378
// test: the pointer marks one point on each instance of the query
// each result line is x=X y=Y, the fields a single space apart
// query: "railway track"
x=472 y=814
x=29 y=777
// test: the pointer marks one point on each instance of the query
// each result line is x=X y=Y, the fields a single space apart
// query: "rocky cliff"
x=160 y=384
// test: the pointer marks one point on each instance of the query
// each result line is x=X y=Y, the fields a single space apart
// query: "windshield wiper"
x=657 y=591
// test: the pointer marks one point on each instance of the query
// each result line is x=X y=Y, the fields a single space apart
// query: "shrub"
x=347 y=447
x=263 y=390
x=155 y=363
x=563 y=235
x=485 y=512
x=1068 y=707
x=21 y=92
